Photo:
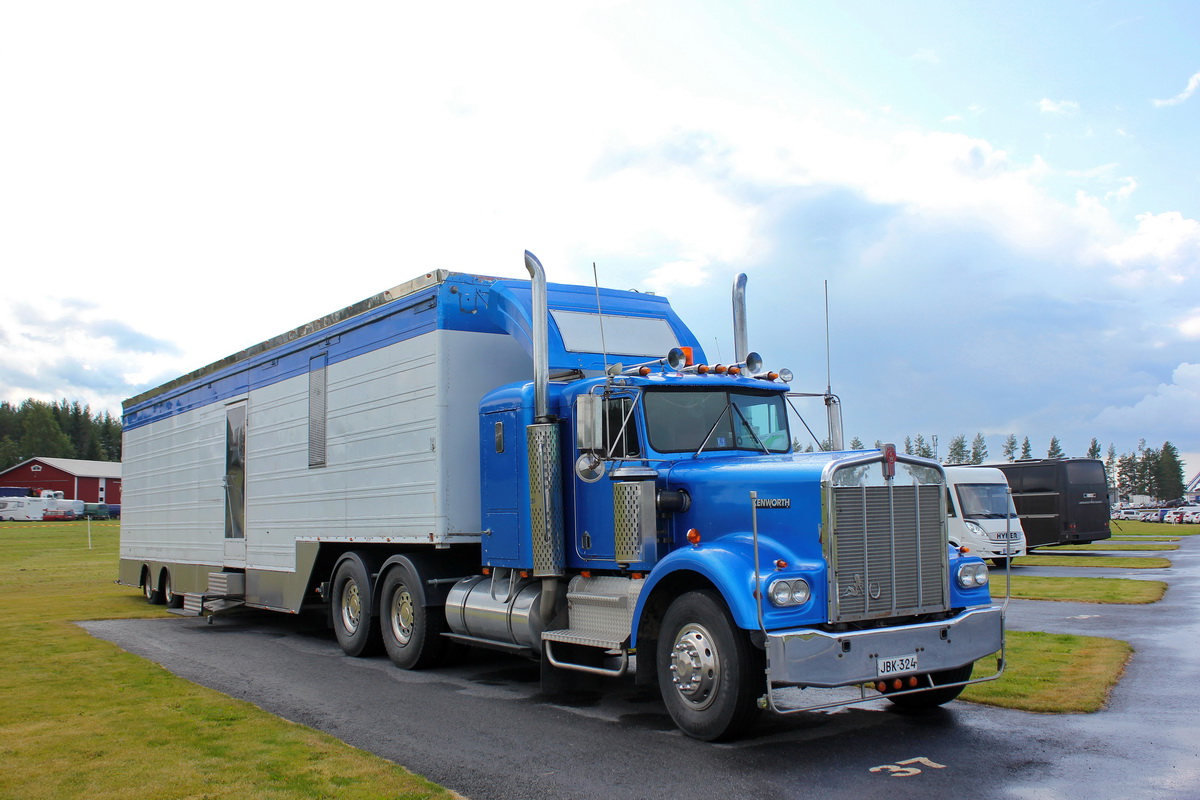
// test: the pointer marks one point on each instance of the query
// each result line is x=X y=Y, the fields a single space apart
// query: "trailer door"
x=235 y=484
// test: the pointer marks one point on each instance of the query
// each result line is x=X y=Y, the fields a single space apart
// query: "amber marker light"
x=644 y=371
x=735 y=370
x=720 y=369
x=693 y=536
x=702 y=369
x=780 y=564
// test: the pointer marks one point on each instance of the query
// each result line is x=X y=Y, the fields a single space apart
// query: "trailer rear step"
x=226 y=591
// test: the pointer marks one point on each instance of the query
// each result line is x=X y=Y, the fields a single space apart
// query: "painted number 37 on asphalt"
x=904 y=769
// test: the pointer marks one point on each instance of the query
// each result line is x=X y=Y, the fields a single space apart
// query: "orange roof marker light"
x=693 y=536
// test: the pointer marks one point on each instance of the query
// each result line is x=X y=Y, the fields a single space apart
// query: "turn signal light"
x=693 y=536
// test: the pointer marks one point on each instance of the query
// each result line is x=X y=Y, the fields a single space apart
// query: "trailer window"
x=688 y=420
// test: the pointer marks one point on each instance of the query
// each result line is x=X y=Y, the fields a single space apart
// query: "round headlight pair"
x=789 y=593
x=972 y=575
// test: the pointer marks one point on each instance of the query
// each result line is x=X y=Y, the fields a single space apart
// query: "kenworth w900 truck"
x=554 y=471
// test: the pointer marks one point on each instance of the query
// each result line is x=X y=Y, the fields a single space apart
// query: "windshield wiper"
x=716 y=422
x=749 y=428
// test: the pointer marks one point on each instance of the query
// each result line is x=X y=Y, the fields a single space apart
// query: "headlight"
x=972 y=575
x=975 y=528
x=794 y=592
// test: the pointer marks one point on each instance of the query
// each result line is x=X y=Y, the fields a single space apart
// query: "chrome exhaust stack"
x=545 y=472
x=741 y=345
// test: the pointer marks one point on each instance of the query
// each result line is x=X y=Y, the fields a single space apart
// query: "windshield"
x=691 y=420
x=985 y=501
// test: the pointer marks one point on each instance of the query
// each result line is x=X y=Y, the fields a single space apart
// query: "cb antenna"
x=600 y=316
x=828 y=368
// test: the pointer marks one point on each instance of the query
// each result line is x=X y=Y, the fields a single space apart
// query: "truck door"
x=235 y=484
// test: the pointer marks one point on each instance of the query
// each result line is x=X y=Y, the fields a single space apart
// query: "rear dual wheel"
x=352 y=609
x=411 y=630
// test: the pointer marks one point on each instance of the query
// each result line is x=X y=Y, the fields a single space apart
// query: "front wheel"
x=709 y=673
x=352 y=609
x=931 y=698
x=411 y=630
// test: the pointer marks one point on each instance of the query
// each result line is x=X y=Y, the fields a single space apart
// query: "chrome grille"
x=887 y=551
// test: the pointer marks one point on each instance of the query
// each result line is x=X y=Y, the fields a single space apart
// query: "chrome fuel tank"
x=500 y=608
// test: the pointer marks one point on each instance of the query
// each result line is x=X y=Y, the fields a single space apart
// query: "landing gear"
x=709 y=673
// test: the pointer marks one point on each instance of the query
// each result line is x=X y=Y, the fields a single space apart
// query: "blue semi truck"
x=555 y=471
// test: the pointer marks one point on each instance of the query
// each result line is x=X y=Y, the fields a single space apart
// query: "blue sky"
x=1003 y=198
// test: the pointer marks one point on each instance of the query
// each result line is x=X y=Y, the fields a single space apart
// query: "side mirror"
x=589 y=422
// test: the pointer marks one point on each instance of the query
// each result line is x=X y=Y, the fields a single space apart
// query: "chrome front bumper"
x=815 y=658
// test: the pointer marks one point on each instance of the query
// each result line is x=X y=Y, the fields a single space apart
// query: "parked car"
x=1129 y=513
x=1174 y=517
x=1191 y=518
x=114 y=510
x=58 y=515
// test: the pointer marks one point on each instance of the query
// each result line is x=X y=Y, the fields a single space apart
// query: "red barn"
x=89 y=481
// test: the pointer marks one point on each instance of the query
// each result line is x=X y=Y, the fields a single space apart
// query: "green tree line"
x=65 y=429
x=1152 y=472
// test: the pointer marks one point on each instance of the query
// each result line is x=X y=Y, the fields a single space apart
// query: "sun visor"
x=631 y=327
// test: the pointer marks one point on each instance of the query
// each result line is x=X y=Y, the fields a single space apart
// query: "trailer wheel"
x=932 y=698
x=352 y=609
x=411 y=630
x=150 y=589
x=708 y=671
x=172 y=599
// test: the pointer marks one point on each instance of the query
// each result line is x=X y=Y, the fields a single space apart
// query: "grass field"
x=1109 y=562
x=1054 y=673
x=1082 y=590
x=83 y=719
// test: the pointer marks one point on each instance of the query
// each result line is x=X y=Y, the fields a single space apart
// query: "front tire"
x=352 y=610
x=411 y=631
x=709 y=673
x=932 y=698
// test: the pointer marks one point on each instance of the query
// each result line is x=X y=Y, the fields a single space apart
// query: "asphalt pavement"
x=484 y=729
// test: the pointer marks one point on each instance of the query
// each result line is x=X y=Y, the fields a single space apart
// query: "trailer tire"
x=932 y=698
x=170 y=597
x=150 y=589
x=411 y=630
x=351 y=609
x=708 y=671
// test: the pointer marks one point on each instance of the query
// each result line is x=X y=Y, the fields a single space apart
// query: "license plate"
x=896 y=665
x=1010 y=535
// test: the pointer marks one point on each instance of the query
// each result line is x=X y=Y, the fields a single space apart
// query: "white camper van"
x=980 y=514
x=21 y=509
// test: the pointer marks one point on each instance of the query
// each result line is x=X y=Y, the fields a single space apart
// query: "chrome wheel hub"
x=402 y=614
x=351 y=606
x=695 y=666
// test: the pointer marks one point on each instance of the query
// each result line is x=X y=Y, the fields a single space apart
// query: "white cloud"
x=1049 y=106
x=1165 y=249
x=926 y=56
x=1192 y=84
